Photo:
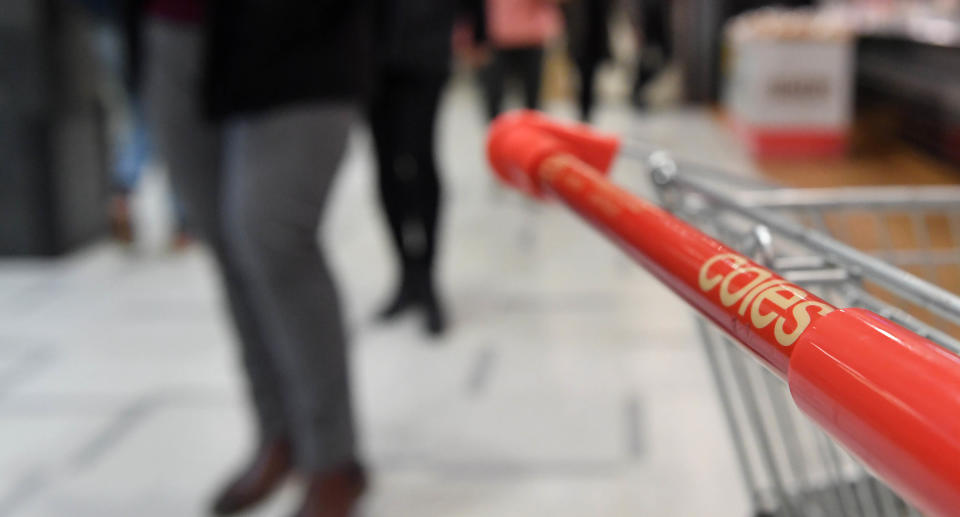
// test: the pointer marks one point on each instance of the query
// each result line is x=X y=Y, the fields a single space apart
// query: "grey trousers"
x=255 y=189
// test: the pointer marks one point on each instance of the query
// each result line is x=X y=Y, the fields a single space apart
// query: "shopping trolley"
x=837 y=368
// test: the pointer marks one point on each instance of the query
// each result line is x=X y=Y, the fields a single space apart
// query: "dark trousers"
x=523 y=63
x=588 y=71
x=254 y=188
x=403 y=118
x=655 y=24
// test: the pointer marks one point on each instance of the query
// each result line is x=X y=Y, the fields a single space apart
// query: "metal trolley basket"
x=881 y=248
x=837 y=365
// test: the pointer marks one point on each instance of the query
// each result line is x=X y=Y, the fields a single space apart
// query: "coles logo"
x=737 y=281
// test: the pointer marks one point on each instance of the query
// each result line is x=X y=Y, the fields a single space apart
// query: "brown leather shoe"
x=334 y=493
x=269 y=467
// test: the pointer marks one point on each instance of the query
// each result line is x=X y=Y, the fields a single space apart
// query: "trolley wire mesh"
x=892 y=250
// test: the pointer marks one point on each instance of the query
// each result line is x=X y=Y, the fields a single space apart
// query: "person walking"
x=517 y=32
x=413 y=54
x=588 y=40
x=250 y=104
x=653 y=19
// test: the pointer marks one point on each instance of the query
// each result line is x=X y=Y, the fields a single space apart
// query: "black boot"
x=417 y=291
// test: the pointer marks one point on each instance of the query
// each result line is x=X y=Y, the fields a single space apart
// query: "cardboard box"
x=790 y=95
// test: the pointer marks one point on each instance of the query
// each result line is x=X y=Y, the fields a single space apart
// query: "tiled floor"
x=570 y=385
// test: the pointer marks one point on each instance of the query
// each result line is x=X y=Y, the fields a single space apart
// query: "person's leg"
x=425 y=105
x=129 y=163
x=665 y=15
x=133 y=152
x=279 y=167
x=191 y=149
x=587 y=69
x=511 y=69
x=530 y=63
x=415 y=189
x=383 y=116
x=493 y=77
x=657 y=46
x=428 y=200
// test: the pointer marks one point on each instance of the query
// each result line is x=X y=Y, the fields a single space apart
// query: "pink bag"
x=522 y=23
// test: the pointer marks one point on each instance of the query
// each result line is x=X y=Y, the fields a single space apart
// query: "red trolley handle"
x=887 y=395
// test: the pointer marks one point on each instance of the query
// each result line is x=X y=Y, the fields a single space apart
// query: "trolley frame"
x=885 y=393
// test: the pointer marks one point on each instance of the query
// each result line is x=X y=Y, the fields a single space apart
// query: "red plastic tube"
x=889 y=396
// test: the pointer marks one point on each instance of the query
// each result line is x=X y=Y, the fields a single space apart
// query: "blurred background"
x=563 y=380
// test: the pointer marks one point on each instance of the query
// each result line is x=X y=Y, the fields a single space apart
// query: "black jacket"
x=588 y=36
x=417 y=35
x=264 y=54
